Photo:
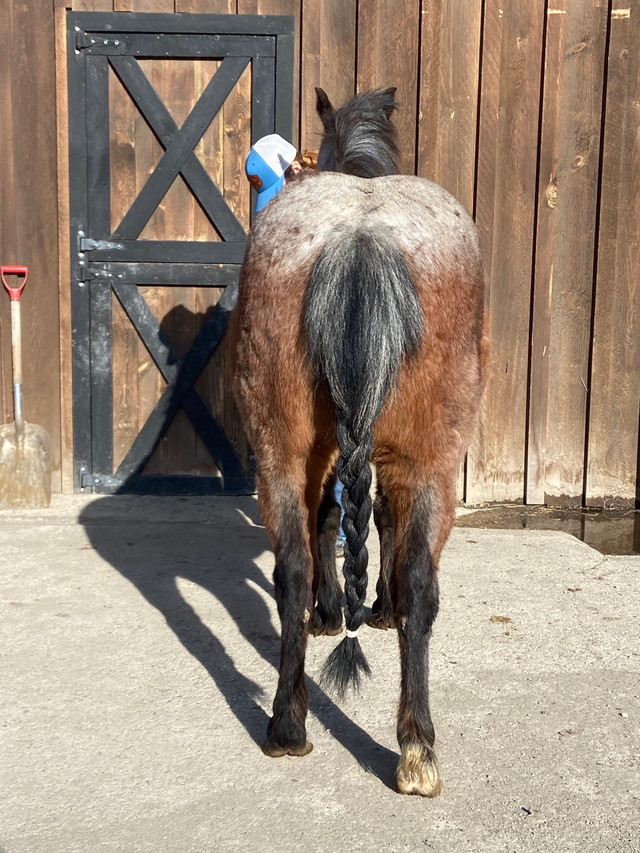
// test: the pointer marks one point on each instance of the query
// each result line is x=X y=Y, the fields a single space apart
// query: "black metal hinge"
x=86 y=41
x=86 y=244
x=89 y=480
x=89 y=271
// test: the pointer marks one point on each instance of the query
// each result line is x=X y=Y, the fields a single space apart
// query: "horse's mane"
x=359 y=138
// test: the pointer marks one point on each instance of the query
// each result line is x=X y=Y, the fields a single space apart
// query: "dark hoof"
x=381 y=621
x=275 y=751
x=319 y=627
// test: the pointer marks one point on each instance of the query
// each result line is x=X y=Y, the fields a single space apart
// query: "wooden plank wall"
x=526 y=111
x=28 y=212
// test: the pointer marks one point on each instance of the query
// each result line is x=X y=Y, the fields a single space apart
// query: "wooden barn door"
x=163 y=109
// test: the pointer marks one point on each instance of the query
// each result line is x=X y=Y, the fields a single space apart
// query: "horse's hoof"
x=418 y=771
x=376 y=620
x=275 y=751
x=319 y=628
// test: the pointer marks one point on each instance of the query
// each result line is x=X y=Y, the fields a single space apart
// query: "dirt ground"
x=139 y=653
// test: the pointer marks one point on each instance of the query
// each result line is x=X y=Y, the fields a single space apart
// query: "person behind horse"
x=271 y=162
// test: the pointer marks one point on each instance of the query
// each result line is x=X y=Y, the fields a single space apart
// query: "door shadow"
x=156 y=542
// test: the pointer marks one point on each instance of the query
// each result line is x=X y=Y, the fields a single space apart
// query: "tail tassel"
x=345 y=667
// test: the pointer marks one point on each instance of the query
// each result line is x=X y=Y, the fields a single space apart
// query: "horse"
x=359 y=339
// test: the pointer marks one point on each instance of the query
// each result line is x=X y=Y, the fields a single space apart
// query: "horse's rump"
x=329 y=215
x=422 y=216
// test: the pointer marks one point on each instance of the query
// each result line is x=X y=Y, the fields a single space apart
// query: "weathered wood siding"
x=527 y=112
x=28 y=211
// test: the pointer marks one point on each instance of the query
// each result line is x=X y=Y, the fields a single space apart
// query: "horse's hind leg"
x=423 y=516
x=286 y=517
x=382 y=610
x=327 y=614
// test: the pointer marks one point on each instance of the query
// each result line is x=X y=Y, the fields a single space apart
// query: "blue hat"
x=266 y=164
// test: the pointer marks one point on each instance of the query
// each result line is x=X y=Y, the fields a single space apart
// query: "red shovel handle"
x=14 y=292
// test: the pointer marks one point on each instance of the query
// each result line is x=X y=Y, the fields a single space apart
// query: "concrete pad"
x=140 y=646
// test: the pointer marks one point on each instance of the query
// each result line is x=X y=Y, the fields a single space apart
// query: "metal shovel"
x=25 y=449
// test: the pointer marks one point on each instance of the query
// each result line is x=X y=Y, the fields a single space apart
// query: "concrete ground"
x=139 y=654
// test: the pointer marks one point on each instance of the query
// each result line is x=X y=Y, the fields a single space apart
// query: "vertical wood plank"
x=212 y=154
x=8 y=206
x=125 y=338
x=448 y=114
x=179 y=322
x=64 y=260
x=449 y=103
x=328 y=60
x=509 y=138
x=387 y=55
x=615 y=373
x=487 y=162
x=574 y=245
x=232 y=147
x=151 y=385
x=237 y=142
x=545 y=242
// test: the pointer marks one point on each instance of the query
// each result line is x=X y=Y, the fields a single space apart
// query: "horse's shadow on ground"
x=218 y=555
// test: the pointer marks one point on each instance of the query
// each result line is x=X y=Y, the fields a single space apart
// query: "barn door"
x=163 y=109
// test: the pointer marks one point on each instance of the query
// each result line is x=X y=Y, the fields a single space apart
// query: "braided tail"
x=362 y=317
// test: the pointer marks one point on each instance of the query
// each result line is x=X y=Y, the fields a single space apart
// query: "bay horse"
x=358 y=338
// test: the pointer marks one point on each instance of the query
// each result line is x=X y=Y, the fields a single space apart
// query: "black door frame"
x=104 y=262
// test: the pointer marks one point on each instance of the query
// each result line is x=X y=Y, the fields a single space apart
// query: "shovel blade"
x=25 y=467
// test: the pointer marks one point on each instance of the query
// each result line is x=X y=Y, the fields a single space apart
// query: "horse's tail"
x=362 y=316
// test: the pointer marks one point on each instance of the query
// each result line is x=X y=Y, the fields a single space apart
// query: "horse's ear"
x=390 y=101
x=323 y=107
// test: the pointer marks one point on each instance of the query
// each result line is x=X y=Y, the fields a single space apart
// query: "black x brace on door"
x=108 y=261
